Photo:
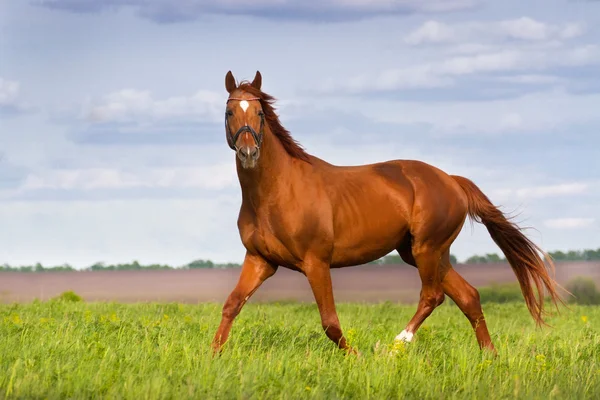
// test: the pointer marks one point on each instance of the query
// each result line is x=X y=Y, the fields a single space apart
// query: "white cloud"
x=216 y=176
x=432 y=32
x=9 y=92
x=523 y=28
x=579 y=56
x=505 y=60
x=569 y=223
x=544 y=111
x=81 y=233
x=394 y=79
x=468 y=48
x=10 y=96
x=445 y=71
x=511 y=121
x=131 y=104
x=531 y=79
x=565 y=189
x=571 y=30
x=517 y=59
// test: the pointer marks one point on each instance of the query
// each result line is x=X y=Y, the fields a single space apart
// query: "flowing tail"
x=522 y=254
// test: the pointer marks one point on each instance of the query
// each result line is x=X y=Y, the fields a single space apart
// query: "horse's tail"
x=522 y=254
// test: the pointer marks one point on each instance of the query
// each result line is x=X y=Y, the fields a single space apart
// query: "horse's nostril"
x=248 y=152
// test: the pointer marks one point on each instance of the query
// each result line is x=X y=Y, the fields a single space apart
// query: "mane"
x=291 y=146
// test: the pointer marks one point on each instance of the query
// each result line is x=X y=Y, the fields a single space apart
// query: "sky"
x=112 y=144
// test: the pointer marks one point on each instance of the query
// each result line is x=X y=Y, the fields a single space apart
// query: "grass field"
x=60 y=349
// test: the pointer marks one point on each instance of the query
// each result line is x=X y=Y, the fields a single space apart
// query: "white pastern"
x=244 y=105
x=404 y=336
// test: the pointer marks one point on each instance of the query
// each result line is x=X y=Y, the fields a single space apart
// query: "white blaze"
x=244 y=105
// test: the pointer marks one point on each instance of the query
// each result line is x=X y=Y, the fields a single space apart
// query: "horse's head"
x=244 y=121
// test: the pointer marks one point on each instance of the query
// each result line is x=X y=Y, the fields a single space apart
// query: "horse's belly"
x=355 y=247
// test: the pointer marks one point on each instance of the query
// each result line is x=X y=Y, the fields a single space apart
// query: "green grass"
x=77 y=350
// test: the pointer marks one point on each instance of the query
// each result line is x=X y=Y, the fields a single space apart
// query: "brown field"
x=368 y=283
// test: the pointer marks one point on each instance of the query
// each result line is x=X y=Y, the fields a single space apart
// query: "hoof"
x=404 y=336
x=353 y=351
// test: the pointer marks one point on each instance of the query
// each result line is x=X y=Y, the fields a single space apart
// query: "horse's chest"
x=275 y=246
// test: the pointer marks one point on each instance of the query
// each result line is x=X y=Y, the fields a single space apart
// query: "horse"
x=303 y=213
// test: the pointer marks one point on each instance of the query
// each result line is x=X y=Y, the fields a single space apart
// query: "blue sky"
x=113 y=148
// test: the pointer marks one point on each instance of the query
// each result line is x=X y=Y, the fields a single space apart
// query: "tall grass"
x=70 y=349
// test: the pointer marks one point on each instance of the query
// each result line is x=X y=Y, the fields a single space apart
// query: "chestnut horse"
x=305 y=214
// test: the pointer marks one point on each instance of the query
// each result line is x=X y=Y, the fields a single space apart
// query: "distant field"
x=367 y=283
x=278 y=351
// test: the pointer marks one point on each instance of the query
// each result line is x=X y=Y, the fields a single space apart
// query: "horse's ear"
x=257 y=82
x=230 y=82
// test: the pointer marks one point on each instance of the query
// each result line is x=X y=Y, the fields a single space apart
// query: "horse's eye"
x=260 y=113
x=229 y=113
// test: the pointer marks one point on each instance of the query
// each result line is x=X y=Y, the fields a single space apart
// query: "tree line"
x=390 y=259
x=135 y=265
x=572 y=255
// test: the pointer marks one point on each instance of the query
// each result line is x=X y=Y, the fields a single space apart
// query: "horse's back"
x=376 y=207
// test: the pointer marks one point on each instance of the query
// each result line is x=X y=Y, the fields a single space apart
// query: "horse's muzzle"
x=248 y=155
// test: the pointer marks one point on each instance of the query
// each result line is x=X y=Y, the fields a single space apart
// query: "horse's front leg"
x=255 y=271
x=319 y=277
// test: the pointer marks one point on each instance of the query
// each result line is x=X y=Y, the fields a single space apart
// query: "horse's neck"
x=266 y=179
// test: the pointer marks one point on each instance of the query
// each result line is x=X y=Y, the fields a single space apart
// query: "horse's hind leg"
x=466 y=298
x=432 y=294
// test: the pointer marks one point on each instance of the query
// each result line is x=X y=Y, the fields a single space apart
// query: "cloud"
x=533 y=50
x=135 y=117
x=543 y=113
x=158 y=133
x=173 y=231
x=10 y=102
x=421 y=77
x=343 y=127
x=515 y=60
x=11 y=175
x=553 y=190
x=216 y=176
x=9 y=91
x=524 y=28
x=569 y=223
x=131 y=104
x=448 y=72
x=170 y=11
x=532 y=79
x=565 y=189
